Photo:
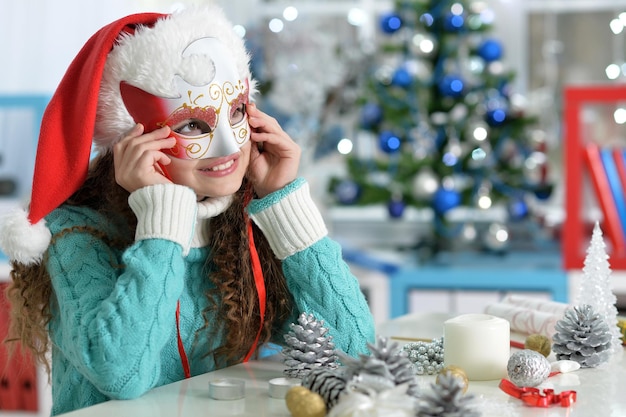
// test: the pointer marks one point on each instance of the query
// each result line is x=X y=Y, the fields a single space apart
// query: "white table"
x=600 y=390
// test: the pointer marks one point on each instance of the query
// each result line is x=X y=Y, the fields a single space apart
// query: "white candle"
x=479 y=344
x=279 y=386
x=227 y=389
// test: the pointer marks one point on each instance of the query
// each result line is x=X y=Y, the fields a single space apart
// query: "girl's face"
x=205 y=108
x=211 y=177
x=207 y=116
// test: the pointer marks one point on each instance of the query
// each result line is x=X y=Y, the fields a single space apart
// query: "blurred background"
x=448 y=143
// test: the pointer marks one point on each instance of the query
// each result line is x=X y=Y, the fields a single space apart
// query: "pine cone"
x=387 y=361
x=308 y=347
x=446 y=399
x=582 y=336
x=328 y=383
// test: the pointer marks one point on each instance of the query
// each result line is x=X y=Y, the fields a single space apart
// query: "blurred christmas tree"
x=440 y=126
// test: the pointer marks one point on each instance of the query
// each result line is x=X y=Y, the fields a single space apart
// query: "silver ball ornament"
x=423 y=44
x=424 y=185
x=528 y=368
x=496 y=238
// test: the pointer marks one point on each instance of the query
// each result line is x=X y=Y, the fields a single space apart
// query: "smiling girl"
x=188 y=241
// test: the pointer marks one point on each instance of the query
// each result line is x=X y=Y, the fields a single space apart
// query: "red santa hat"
x=87 y=110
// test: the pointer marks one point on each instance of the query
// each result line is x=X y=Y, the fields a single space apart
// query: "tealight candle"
x=227 y=389
x=278 y=387
x=479 y=344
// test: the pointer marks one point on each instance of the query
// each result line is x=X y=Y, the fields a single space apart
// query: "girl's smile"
x=222 y=166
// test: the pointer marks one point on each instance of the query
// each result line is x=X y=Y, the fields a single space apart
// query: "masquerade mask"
x=208 y=119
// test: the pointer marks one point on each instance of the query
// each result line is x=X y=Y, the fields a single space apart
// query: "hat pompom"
x=22 y=241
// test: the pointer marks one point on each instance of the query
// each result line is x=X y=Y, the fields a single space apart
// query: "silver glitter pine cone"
x=328 y=383
x=582 y=335
x=447 y=399
x=386 y=366
x=308 y=346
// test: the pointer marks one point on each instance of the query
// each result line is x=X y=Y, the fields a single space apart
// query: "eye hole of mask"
x=237 y=113
x=192 y=127
x=193 y=121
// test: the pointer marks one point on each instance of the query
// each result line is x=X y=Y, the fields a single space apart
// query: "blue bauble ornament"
x=495 y=117
x=371 y=115
x=490 y=50
x=401 y=78
x=518 y=209
x=347 y=192
x=396 y=208
x=389 y=142
x=453 y=22
x=390 y=23
x=445 y=199
x=452 y=86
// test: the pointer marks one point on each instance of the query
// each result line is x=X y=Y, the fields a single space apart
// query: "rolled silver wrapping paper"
x=479 y=344
x=525 y=320
x=533 y=303
x=278 y=387
x=227 y=389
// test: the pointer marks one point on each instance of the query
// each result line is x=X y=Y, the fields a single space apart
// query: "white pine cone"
x=446 y=399
x=308 y=347
x=582 y=336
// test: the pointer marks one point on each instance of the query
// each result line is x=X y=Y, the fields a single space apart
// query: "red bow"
x=534 y=398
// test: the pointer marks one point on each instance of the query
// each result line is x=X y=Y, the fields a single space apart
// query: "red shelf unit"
x=576 y=234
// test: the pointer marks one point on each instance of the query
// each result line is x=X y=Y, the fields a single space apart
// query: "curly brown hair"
x=234 y=298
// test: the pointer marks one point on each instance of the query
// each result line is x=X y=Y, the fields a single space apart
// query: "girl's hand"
x=276 y=165
x=138 y=158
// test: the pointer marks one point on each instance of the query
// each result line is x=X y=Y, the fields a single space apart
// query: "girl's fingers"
x=262 y=121
x=137 y=157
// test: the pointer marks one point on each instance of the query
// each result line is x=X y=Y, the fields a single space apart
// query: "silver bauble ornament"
x=477 y=132
x=425 y=183
x=528 y=368
x=496 y=238
x=423 y=44
x=475 y=65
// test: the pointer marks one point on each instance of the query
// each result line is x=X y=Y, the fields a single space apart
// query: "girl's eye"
x=237 y=114
x=193 y=127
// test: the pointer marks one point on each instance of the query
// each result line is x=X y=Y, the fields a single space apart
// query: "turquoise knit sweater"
x=113 y=328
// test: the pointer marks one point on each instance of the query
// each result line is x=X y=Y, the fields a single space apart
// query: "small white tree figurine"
x=596 y=289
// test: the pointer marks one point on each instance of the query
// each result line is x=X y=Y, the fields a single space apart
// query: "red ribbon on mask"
x=535 y=398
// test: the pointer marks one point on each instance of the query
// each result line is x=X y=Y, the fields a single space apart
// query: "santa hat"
x=87 y=108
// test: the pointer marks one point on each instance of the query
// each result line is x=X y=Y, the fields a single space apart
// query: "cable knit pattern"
x=165 y=211
x=113 y=328
x=289 y=219
x=327 y=289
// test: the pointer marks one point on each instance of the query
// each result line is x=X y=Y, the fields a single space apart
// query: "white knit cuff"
x=292 y=224
x=165 y=211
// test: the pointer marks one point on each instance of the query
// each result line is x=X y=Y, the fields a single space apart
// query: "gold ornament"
x=303 y=402
x=457 y=372
x=538 y=343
